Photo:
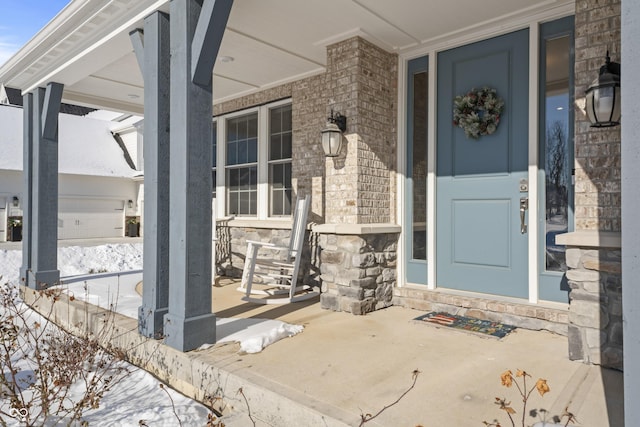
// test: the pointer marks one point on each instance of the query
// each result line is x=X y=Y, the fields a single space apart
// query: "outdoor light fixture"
x=332 y=134
x=603 y=96
x=130 y=203
x=16 y=201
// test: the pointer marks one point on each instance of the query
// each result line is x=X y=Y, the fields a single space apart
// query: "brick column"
x=595 y=317
x=362 y=85
x=358 y=264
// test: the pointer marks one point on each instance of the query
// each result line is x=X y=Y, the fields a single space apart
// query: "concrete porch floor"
x=343 y=365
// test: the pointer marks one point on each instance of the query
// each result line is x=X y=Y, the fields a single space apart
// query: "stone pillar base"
x=358 y=272
x=595 y=311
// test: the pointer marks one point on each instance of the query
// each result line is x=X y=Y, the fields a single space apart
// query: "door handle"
x=524 y=205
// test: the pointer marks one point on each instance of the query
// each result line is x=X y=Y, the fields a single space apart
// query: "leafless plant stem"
x=364 y=418
x=246 y=402
x=173 y=406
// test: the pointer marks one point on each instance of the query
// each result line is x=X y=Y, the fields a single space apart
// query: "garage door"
x=80 y=218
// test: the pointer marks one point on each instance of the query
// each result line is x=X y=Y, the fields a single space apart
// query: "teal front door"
x=481 y=242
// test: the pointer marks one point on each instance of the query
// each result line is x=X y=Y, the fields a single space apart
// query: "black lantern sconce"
x=603 y=96
x=130 y=203
x=15 y=202
x=332 y=134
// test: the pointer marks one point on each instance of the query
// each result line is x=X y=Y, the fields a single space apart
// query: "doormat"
x=486 y=327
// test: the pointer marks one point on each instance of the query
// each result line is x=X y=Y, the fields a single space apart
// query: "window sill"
x=284 y=224
x=356 y=229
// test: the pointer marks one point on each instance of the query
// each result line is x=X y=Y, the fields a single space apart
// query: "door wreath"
x=477 y=112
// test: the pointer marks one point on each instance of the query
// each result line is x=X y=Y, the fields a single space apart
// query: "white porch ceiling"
x=87 y=48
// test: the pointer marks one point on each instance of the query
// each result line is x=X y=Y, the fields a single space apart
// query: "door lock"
x=524 y=185
x=524 y=205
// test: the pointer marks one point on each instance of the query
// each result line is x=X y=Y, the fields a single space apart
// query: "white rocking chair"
x=279 y=275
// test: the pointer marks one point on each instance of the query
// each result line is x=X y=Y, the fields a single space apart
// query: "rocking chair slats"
x=278 y=275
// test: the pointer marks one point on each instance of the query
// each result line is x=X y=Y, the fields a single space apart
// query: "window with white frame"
x=242 y=165
x=256 y=174
x=280 y=161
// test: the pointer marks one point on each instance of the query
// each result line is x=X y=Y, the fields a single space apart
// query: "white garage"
x=97 y=187
x=83 y=218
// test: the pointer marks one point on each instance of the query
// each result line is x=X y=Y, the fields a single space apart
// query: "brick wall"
x=308 y=162
x=597 y=151
x=594 y=275
x=357 y=187
x=362 y=84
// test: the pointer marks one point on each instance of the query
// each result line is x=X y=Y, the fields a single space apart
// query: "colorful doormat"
x=487 y=327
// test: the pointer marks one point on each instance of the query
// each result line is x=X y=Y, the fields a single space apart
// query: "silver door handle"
x=524 y=205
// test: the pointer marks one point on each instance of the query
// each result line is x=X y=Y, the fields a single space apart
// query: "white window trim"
x=263 y=159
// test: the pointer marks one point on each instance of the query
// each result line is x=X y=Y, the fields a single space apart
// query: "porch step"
x=520 y=314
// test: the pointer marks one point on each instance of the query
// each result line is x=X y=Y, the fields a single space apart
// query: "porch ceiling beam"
x=51 y=109
x=137 y=40
x=207 y=39
x=78 y=98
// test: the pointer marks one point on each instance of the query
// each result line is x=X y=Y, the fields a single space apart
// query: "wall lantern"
x=603 y=96
x=15 y=201
x=130 y=204
x=332 y=134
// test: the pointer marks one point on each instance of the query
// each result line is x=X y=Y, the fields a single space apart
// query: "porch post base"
x=42 y=279
x=189 y=334
x=24 y=275
x=151 y=320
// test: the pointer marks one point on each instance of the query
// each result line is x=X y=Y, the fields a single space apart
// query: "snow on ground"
x=88 y=274
x=76 y=260
x=138 y=396
x=117 y=292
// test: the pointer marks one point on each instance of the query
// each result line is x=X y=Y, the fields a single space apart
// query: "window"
x=416 y=170
x=556 y=156
x=418 y=159
x=242 y=165
x=280 y=161
x=256 y=174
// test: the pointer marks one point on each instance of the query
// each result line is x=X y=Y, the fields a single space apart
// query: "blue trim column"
x=194 y=47
x=27 y=195
x=40 y=231
x=154 y=57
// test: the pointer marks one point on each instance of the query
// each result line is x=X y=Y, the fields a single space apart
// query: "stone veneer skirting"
x=357 y=266
x=594 y=260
